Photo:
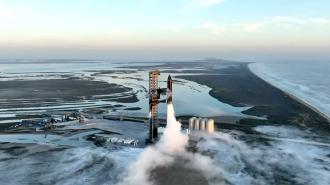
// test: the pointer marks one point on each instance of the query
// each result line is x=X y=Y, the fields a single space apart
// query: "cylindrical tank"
x=191 y=123
x=210 y=126
x=202 y=125
x=196 y=124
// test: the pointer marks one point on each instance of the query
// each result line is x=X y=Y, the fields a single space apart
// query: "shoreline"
x=265 y=100
x=291 y=95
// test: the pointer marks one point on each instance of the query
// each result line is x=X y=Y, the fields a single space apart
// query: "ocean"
x=308 y=81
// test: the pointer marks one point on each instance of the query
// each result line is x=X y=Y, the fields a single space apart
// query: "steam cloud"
x=171 y=146
x=223 y=159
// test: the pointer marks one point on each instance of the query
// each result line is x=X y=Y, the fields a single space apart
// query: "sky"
x=166 y=29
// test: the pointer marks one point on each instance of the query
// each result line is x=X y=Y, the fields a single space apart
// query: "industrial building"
x=201 y=125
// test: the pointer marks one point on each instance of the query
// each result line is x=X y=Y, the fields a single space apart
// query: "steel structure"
x=154 y=96
x=153 y=104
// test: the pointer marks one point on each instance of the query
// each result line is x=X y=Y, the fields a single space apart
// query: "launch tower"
x=154 y=96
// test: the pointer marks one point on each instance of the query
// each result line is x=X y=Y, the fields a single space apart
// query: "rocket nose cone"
x=169 y=77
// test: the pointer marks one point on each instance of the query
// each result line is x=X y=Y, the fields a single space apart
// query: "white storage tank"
x=196 y=123
x=202 y=124
x=210 y=126
x=191 y=123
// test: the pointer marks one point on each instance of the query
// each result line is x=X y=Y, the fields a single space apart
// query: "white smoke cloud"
x=172 y=143
x=171 y=147
x=224 y=159
x=138 y=172
x=269 y=163
x=173 y=140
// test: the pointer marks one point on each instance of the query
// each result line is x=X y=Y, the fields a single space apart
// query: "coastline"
x=239 y=87
x=293 y=96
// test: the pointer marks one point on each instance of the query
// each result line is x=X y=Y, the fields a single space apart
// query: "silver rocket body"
x=169 y=90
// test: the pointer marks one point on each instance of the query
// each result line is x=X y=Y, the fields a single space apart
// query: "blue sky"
x=165 y=29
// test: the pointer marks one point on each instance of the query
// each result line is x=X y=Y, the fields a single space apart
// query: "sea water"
x=308 y=81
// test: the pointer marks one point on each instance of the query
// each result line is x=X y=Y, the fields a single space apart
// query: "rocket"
x=169 y=89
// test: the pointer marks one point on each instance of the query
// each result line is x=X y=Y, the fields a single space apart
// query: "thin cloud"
x=283 y=22
x=214 y=28
x=10 y=12
x=170 y=28
x=5 y=12
x=121 y=31
x=197 y=4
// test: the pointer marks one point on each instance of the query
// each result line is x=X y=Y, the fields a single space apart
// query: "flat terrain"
x=67 y=89
x=238 y=86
